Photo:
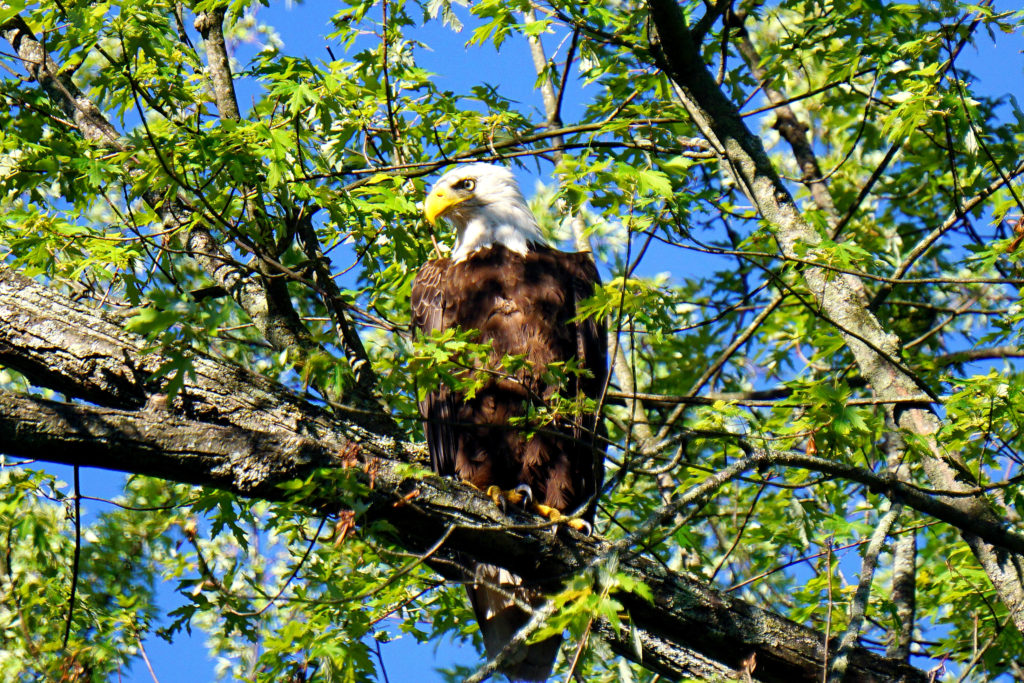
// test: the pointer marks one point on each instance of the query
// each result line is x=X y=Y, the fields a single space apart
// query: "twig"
x=387 y=82
x=75 y=559
x=925 y=244
x=907 y=532
x=723 y=357
x=291 y=576
x=739 y=534
x=828 y=613
x=858 y=607
x=145 y=658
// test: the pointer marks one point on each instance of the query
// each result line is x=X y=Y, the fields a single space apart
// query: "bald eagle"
x=504 y=281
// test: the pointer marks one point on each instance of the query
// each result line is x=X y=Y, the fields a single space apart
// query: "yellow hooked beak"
x=439 y=202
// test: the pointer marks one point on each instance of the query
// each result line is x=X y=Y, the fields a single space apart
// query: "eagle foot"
x=502 y=498
x=522 y=496
x=551 y=514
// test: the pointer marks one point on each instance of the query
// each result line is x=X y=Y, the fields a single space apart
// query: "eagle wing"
x=592 y=334
x=592 y=354
x=429 y=312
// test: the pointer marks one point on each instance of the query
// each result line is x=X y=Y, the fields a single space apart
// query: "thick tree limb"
x=843 y=300
x=234 y=430
x=85 y=353
x=685 y=615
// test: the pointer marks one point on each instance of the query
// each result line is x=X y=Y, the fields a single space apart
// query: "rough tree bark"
x=232 y=429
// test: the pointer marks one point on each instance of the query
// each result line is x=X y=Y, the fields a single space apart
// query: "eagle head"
x=486 y=206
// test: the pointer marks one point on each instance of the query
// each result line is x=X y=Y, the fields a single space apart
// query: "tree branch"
x=684 y=615
x=859 y=605
x=790 y=128
x=58 y=86
x=330 y=294
x=211 y=26
x=85 y=353
x=904 y=556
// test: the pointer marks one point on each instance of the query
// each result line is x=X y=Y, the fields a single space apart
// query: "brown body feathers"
x=524 y=305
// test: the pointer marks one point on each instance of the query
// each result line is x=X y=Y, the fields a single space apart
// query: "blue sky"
x=998 y=67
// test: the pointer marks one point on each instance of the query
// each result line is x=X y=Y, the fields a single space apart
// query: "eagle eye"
x=466 y=184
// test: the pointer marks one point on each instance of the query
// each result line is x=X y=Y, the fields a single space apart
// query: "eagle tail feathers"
x=500 y=619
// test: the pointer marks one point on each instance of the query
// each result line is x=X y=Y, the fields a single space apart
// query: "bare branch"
x=211 y=26
x=922 y=247
x=859 y=604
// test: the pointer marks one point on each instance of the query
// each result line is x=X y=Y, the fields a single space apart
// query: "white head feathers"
x=487 y=208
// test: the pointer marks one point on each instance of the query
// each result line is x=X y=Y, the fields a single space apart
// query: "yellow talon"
x=580 y=526
x=556 y=516
x=501 y=496
x=548 y=512
x=494 y=493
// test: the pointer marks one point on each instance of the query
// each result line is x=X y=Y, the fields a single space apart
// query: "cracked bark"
x=843 y=299
x=235 y=430
x=85 y=353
